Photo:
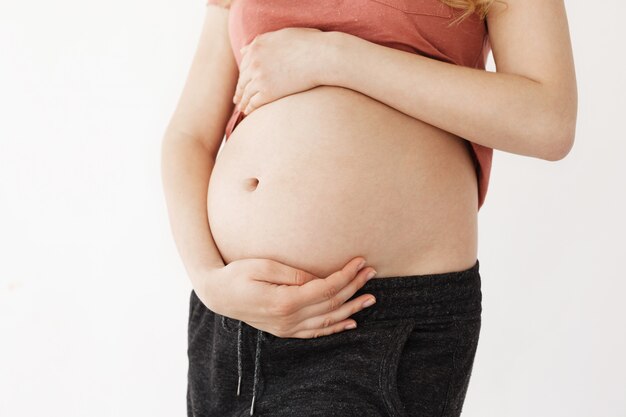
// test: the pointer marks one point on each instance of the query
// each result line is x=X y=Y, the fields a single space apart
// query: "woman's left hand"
x=279 y=63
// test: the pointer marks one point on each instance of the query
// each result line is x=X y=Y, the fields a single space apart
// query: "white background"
x=93 y=296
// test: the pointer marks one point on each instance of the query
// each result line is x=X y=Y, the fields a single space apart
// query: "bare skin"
x=346 y=176
x=316 y=176
x=189 y=149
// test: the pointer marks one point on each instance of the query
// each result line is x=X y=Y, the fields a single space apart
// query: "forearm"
x=186 y=167
x=498 y=110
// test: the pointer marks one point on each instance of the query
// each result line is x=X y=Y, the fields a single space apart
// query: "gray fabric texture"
x=411 y=354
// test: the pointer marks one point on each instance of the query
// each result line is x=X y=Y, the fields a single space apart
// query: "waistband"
x=422 y=297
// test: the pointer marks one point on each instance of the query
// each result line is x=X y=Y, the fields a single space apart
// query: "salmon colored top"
x=416 y=26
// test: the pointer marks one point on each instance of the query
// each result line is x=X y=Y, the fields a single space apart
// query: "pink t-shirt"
x=416 y=26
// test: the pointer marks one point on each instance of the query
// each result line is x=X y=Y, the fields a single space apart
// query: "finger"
x=326 y=331
x=242 y=82
x=254 y=102
x=246 y=57
x=279 y=273
x=245 y=61
x=245 y=47
x=338 y=315
x=248 y=92
x=328 y=306
x=244 y=78
x=319 y=290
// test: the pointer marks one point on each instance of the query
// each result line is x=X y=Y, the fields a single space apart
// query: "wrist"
x=205 y=284
x=333 y=69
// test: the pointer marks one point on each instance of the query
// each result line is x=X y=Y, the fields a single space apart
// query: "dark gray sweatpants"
x=410 y=355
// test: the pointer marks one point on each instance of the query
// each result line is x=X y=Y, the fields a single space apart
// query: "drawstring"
x=257 y=362
x=239 y=330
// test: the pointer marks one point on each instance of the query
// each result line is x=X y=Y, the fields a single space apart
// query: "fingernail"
x=371 y=274
x=362 y=264
x=369 y=302
x=350 y=326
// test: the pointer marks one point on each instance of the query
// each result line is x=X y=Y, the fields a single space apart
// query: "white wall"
x=93 y=297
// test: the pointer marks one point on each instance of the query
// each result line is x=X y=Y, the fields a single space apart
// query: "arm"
x=191 y=142
x=527 y=107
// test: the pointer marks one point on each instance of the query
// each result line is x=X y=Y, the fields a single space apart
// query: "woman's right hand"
x=285 y=301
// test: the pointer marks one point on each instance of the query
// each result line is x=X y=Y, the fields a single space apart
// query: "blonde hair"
x=480 y=7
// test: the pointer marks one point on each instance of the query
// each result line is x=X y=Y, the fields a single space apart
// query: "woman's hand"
x=285 y=301
x=279 y=63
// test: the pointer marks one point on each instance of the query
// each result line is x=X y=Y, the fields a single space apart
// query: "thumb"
x=287 y=275
x=354 y=266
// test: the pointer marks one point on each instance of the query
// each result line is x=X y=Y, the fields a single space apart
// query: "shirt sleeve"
x=222 y=3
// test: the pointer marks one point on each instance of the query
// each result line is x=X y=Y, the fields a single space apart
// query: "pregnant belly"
x=319 y=177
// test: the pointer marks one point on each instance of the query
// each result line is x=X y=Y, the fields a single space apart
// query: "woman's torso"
x=342 y=175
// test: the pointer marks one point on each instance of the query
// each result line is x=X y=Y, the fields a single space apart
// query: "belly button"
x=251 y=184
